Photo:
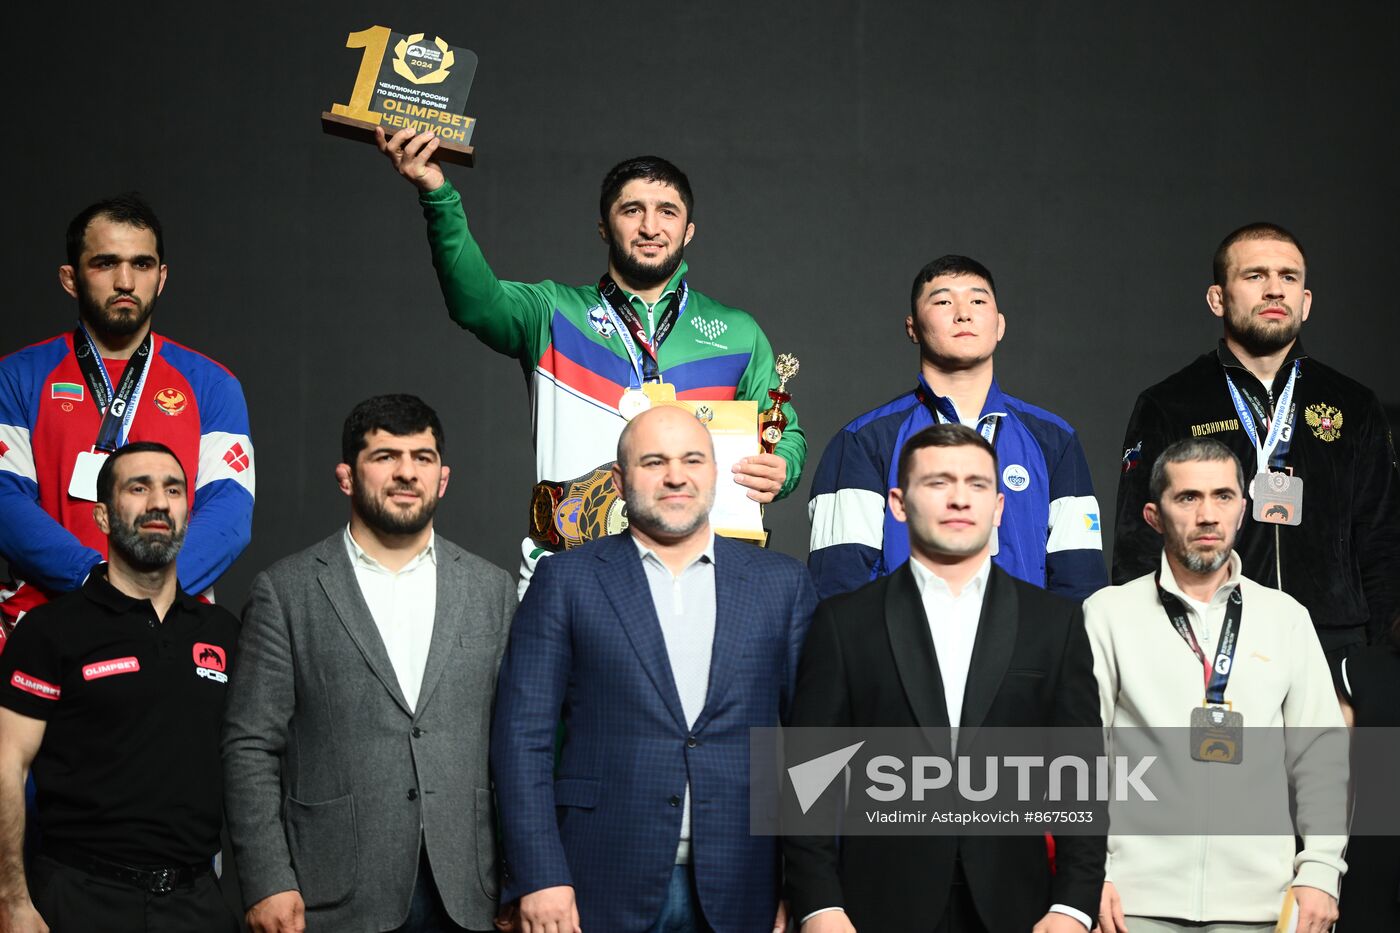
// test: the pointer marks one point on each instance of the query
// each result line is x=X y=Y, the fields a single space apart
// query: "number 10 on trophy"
x=407 y=80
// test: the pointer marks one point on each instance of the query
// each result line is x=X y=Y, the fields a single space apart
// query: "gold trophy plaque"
x=408 y=80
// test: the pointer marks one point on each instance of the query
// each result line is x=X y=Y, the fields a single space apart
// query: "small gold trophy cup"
x=772 y=422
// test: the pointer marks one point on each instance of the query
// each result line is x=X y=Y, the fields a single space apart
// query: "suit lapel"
x=912 y=645
x=447 y=619
x=735 y=603
x=337 y=579
x=991 y=652
x=624 y=581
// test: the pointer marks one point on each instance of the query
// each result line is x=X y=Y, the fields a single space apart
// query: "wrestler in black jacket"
x=1343 y=561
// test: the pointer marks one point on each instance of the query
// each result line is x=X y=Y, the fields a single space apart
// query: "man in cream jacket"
x=1150 y=639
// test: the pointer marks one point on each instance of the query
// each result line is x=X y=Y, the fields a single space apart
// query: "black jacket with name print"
x=1343 y=561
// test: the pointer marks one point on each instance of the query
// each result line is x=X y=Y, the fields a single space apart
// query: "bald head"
x=665 y=472
x=670 y=421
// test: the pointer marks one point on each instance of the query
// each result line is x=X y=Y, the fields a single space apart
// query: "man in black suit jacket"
x=999 y=653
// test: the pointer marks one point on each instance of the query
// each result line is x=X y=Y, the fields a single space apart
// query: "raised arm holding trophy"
x=599 y=354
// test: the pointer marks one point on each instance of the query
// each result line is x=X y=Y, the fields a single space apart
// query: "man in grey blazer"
x=355 y=738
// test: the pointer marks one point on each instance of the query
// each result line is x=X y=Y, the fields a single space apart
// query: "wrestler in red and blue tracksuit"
x=187 y=402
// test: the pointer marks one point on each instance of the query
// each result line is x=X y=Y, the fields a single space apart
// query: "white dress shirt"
x=403 y=606
x=952 y=621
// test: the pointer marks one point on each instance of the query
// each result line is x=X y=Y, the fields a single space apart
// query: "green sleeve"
x=509 y=317
x=758 y=378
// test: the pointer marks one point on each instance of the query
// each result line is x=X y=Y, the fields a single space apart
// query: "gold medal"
x=1217 y=734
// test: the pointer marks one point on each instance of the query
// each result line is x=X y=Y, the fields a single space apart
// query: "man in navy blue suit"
x=658 y=648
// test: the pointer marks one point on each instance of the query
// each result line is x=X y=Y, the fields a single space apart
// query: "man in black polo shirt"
x=115 y=694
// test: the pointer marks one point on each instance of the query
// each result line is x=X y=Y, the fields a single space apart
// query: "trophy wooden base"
x=361 y=131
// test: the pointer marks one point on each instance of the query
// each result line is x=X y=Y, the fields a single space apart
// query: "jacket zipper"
x=1278 y=540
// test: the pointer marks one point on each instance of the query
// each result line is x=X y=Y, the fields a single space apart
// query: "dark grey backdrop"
x=1091 y=154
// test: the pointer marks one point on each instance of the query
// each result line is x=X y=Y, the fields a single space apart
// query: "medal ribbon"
x=1216 y=675
x=1284 y=414
x=115 y=405
x=987 y=428
x=625 y=317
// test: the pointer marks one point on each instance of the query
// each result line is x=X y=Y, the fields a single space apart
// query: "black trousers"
x=961 y=914
x=73 y=901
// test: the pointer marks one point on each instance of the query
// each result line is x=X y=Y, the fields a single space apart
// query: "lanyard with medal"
x=642 y=352
x=1217 y=731
x=116 y=404
x=1278 y=497
x=988 y=427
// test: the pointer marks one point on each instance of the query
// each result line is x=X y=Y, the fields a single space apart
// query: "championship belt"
x=565 y=515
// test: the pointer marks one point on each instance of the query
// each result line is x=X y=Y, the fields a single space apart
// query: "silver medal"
x=633 y=403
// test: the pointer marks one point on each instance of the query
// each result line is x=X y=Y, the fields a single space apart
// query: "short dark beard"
x=145 y=552
x=1261 y=340
x=1198 y=562
x=386 y=521
x=639 y=274
x=103 y=323
x=650 y=520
